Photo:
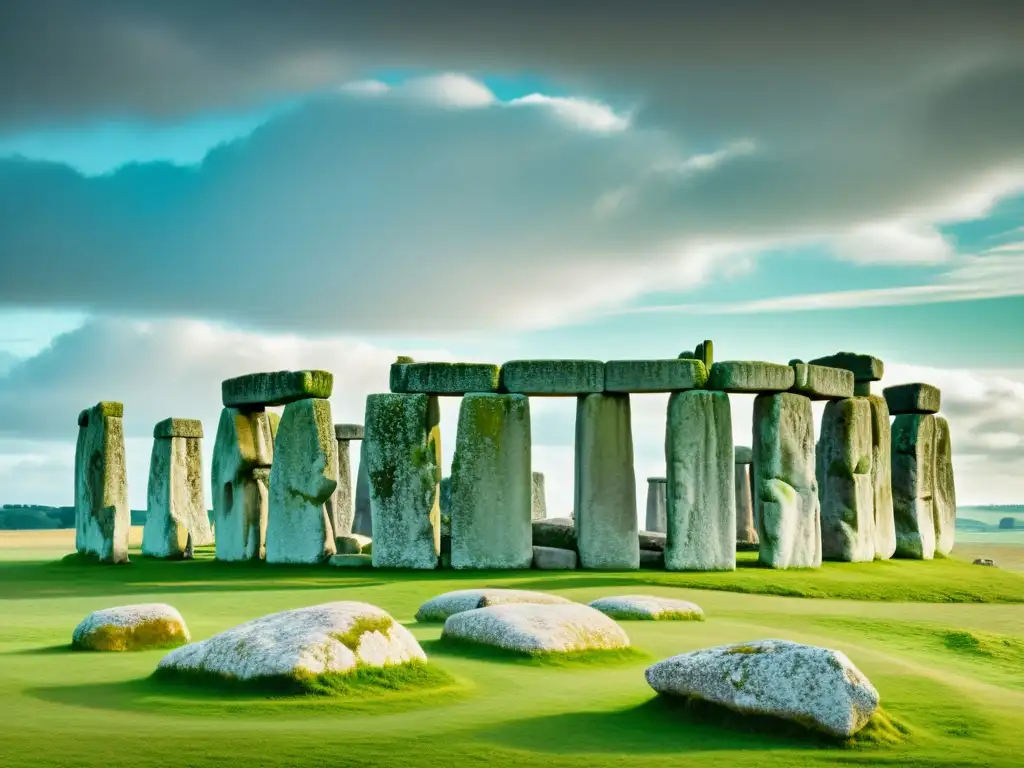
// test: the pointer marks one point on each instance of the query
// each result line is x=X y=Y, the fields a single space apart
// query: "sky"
x=192 y=191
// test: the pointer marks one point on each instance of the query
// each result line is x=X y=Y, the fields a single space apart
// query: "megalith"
x=605 y=484
x=243 y=447
x=881 y=478
x=657 y=505
x=101 y=506
x=491 y=484
x=362 y=521
x=746 y=528
x=913 y=485
x=403 y=461
x=700 y=487
x=538 y=497
x=785 y=486
x=176 y=518
x=303 y=477
x=341 y=505
x=845 y=492
x=945 y=490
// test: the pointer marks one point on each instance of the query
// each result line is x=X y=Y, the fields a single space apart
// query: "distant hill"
x=33 y=517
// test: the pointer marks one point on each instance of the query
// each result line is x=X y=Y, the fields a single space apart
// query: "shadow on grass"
x=672 y=725
x=48 y=650
x=462 y=649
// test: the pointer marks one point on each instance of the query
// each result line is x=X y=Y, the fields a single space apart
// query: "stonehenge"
x=282 y=486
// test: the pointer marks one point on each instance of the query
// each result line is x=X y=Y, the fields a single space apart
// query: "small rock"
x=553 y=559
x=985 y=561
x=625 y=607
x=131 y=628
x=537 y=628
x=451 y=603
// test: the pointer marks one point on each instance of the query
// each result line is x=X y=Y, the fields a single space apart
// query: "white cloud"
x=448 y=90
x=583 y=113
x=888 y=242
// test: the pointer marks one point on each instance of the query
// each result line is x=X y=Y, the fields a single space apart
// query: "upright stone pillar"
x=945 y=489
x=538 y=499
x=657 y=505
x=605 y=488
x=403 y=460
x=362 y=522
x=341 y=507
x=302 y=478
x=176 y=518
x=101 y=508
x=746 y=528
x=881 y=477
x=844 y=455
x=913 y=485
x=785 y=486
x=700 y=488
x=491 y=482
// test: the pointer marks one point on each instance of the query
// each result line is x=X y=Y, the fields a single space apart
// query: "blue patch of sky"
x=26 y=332
x=1003 y=223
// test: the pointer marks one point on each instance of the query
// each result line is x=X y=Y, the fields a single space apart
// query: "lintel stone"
x=553 y=377
x=448 y=378
x=348 y=432
x=673 y=375
x=819 y=382
x=169 y=428
x=864 y=367
x=905 y=399
x=276 y=388
x=752 y=377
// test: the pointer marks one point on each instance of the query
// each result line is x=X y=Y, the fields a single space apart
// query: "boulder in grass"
x=648 y=607
x=816 y=687
x=531 y=629
x=461 y=600
x=131 y=628
x=296 y=645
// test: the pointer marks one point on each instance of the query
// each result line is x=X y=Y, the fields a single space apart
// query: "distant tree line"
x=33 y=517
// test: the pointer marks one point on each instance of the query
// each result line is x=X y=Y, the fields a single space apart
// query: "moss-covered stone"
x=169 y=428
x=881 y=478
x=746 y=376
x=673 y=375
x=349 y=431
x=819 y=382
x=102 y=486
x=912 y=398
x=552 y=377
x=743 y=454
x=913 y=485
x=705 y=352
x=865 y=368
x=448 y=378
x=176 y=518
x=261 y=390
x=843 y=456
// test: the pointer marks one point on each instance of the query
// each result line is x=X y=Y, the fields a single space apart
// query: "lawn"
x=949 y=664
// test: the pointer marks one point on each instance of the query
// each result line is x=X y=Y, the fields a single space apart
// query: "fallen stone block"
x=263 y=390
x=865 y=368
x=657 y=504
x=552 y=377
x=912 y=398
x=461 y=600
x=675 y=375
x=881 y=478
x=913 y=485
x=178 y=428
x=526 y=628
x=742 y=376
x=349 y=431
x=555 y=532
x=131 y=628
x=843 y=455
x=449 y=378
x=551 y=559
x=819 y=382
x=647 y=608
x=817 y=687
x=351 y=560
x=945 y=490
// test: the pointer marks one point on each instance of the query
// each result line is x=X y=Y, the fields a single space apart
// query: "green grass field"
x=942 y=641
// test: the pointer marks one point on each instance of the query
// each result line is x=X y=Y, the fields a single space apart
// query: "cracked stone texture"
x=605 y=484
x=362 y=521
x=865 y=368
x=881 y=478
x=102 y=488
x=553 y=377
x=844 y=456
x=748 y=376
x=657 y=505
x=176 y=519
x=820 y=382
x=262 y=390
x=913 y=485
x=700 y=487
x=403 y=459
x=673 y=375
x=945 y=490
x=912 y=398
x=785 y=487
x=448 y=378
x=302 y=478
x=491 y=504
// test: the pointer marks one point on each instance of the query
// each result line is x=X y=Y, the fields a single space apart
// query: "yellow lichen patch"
x=155 y=633
x=350 y=638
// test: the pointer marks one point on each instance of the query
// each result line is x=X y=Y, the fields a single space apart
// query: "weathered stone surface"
x=333 y=638
x=674 y=375
x=397 y=373
x=651 y=559
x=461 y=600
x=653 y=540
x=492 y=483
x=403 y=458
x=605 y=488
x=746 y=527
x=881 y=478
x=131 y=628
x=449 y=378
x=176 y=519
x=538 y=497
x=262 y=390
x=178 y=428
x=913 y=485
x=647 y=607
x=945 y=490
x=350 y=545
x=820 y=382
x=743 y=454
x=785 y=487
x=81 y=501
x=349 y=431
x=351 y=561
x=303 y=477
x=861 y=388
x=362 y=522
x=912 y=398
x=657 y=504
x=705 y=352
x=341 y=504
x=844 y=456
x=240 y=494
x=552 y=377
x=530 y=628
x=701 y=493
x=551 y=559
x=816 y=687
x=744 y=376
x=864 y=368
x=555 y=532
x=101 y=409
x=102 y=505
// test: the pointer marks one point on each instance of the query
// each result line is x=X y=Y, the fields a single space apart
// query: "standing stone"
x=362 y=522
x=104 y=515
x=881 y=478
x=81 y=502
x=492 y=483
x=700 y=488
x=243 y=446
x=945 y=490
x=605 y=484
x=913 y=485
x=341 y=507
x=844 y=481
x=785 y=487
x=746 y=528
x=303 y=477
x=657 y=505
x=403 y=461
x=538 y=498
x=176 y=519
